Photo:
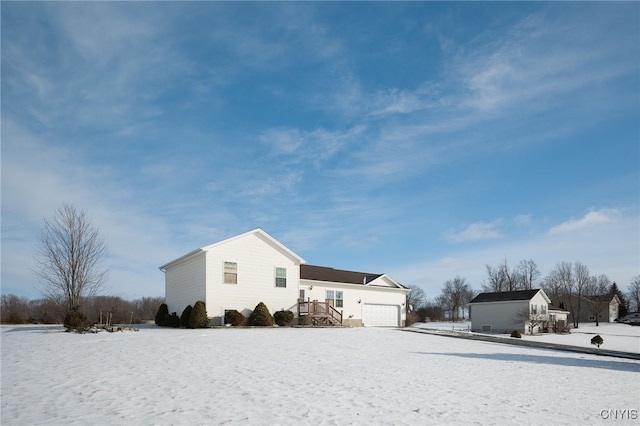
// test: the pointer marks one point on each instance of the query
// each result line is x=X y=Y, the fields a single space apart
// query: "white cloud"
x=476 y=232
x=591 y=219
x=523 y=219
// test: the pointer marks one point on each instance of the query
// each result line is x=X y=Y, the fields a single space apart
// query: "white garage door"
x=380 y=315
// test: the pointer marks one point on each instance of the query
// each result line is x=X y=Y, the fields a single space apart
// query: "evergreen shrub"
x=516 y=333
x=184 y=318
x=597 y=340
x=163 y=313
x=172 y=320
x=233 y=317
x=261 y=316
x=76 y=320
x=198 y=317
x=283 y=318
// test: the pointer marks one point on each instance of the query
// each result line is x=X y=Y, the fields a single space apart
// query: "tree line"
x=100 y=309
x=570 y=286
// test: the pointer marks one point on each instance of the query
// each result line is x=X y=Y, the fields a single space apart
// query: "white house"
x=526 y=311
x=239 y=272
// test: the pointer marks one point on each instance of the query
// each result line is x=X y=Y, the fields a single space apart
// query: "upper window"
x=281 y=277
x=534 y=309
x=230 y=273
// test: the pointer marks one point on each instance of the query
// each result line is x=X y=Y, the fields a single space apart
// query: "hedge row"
x=196 y=317
x=192 y=317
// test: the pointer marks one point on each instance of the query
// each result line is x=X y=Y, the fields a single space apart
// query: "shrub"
x=516 y=334
x=184 y=318
x=163 y=313
x=283 y=318
x=261 y=316
x=233 y=317
x=76 y=320
x=172 y=320
x=597 y=340
x=198 y=317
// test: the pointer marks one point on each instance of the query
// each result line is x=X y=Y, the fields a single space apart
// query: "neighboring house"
x=605 y=307
x=253 y=267
x=558 y=319
x=526 y=311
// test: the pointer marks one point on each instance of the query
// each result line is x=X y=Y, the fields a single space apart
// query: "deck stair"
x=318 y=313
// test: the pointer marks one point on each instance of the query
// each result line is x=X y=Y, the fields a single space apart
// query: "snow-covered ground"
x=617 y=337
x=302 y=376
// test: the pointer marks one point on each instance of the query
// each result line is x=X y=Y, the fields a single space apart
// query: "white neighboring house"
x=239 y=272
x=526 y=311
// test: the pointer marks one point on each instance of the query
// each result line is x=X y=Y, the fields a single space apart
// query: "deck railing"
x=315 y=308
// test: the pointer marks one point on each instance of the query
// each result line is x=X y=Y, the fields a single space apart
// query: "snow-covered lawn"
x=617 y=337
x=302 y=376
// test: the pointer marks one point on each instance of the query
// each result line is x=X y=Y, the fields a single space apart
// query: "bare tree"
x=415 y=298
x=634 y=293
x=533 y=317
x=582 y=278
x=68 y=257
x=597 y=290
x=528 y=274
x=553 y=285
x=502 y=278
x=456 y=295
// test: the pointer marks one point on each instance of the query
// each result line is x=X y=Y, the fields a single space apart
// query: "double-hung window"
x=335 y=298
x=281 y=277
x=230 y=272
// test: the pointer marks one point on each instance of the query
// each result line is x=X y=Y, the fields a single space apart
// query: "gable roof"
x=258 y=232
x=507 y=296
x=322 y=273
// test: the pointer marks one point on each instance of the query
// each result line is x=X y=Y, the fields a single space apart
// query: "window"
x=534 y=309
x=335 y=298
x=543 y=309
x=281 y=277
x=230 y=273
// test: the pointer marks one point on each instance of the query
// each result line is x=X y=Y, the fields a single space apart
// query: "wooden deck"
x=318 y=313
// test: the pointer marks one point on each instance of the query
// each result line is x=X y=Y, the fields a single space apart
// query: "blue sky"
x=423 y=140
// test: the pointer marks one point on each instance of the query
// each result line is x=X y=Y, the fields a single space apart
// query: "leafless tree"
x=597 y=290
x=455 y=297
x=634 y=293
x=533 y=318
x=582 y=278
x=14 y=309
x=503 y=278
x=415 y=298
x=528 y=274
x=69 y=257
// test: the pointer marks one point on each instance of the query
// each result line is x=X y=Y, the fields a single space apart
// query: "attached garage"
x=380 y=315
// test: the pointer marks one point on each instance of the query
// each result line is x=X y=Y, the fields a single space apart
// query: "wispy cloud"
x=523 y=219
x=590 y=219
x=476 y=232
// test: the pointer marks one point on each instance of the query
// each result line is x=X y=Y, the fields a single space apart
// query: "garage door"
x=380 y=315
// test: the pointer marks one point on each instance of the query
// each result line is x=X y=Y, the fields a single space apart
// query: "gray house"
x=526 y=311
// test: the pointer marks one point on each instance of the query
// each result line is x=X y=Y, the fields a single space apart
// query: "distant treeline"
x=100 y=309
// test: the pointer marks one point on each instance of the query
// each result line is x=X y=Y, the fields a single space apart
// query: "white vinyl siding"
x=257 y=260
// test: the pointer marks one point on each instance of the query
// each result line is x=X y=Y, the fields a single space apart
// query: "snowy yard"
x=617 y=337
x=302 y=376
